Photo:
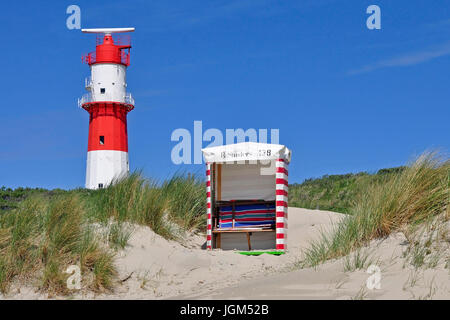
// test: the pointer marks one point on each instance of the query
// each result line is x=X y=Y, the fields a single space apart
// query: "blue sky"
x=345 y=98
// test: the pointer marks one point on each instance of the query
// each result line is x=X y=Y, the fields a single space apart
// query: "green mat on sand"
x=258 y=253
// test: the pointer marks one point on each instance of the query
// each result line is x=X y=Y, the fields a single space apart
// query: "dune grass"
x=179 y=200
x=335 y=192
x=419 y=192
x=40 y=239
x=186 y=196
x=134 y=199
x=44 y=235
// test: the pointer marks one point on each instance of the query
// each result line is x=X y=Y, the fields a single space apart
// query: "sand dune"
x=173 y=269
x=329 y=281
x=191 y=273
x=154 y=268
x=398 y=279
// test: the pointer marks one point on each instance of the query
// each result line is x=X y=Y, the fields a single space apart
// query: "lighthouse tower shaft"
x=108 y=104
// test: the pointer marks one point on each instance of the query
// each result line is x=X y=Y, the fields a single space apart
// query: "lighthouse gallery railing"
x=88 y=97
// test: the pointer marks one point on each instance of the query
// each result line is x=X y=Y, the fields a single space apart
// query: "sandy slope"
x=154 y=268
x=164 y=269
x=329 y=281
x=399 y=280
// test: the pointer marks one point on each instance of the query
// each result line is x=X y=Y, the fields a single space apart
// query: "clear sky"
x=345 y=98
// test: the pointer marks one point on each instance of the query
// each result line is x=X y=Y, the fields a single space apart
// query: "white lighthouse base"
x=105 y=165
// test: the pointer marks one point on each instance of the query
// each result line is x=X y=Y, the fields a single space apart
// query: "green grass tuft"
x=408 y=197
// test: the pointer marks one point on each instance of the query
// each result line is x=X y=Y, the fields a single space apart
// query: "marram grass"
x=44 y=235
x=414 y=195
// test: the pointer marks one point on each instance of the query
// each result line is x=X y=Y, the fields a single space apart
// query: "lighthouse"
x=108 y=104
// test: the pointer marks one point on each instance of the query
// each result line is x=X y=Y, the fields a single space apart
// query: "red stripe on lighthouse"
x=108 y=126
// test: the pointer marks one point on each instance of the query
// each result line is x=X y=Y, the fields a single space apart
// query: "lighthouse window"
x=102 y=140
x=102 y=90
x=100 y=185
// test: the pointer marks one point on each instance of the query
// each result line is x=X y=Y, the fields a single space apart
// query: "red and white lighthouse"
x=108 y=104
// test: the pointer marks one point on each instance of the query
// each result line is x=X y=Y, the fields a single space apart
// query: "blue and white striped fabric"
x=253 y=215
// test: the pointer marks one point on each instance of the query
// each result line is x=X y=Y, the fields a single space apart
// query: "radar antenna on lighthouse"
x=108 y=104
x=107 y=30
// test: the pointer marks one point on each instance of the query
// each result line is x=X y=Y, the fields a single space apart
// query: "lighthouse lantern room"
x=108 y=104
